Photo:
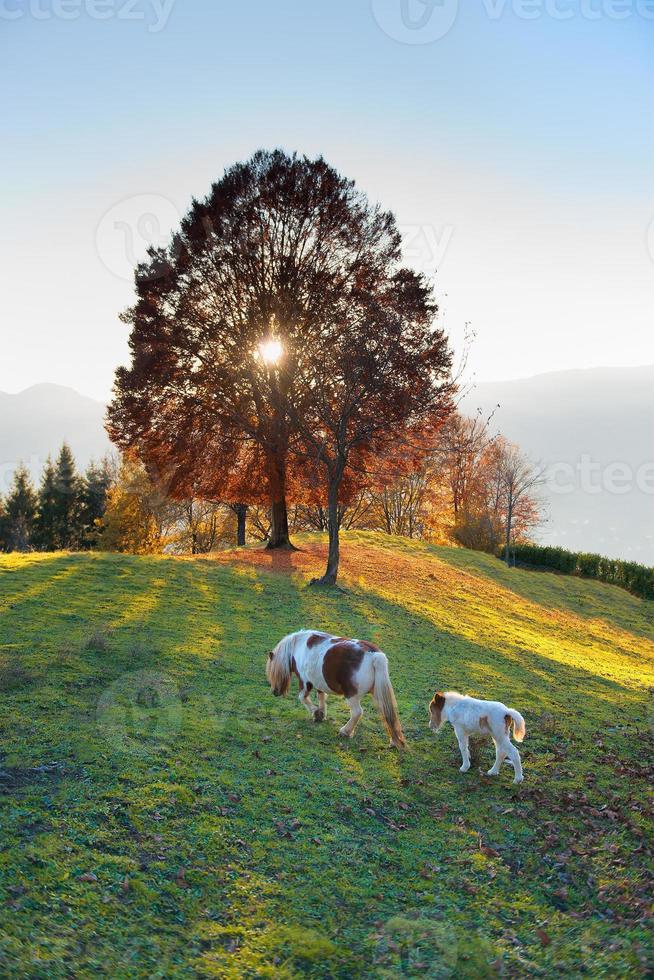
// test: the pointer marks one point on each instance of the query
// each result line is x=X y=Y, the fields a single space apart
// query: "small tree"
x=258 y=523
x=356 y=513
x=137 y=519
x=67 y=518
x=97 y=482
x=46 y=518
x=461 y=447
x=20 y=510
x=519 y=479
x=402 y=506
x=198 y=525
x=500 y=502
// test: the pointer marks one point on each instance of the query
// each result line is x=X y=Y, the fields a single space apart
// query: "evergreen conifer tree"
x=20 y=508
x=68 y=529
x=46 y=518
x=4 y=527
x=98 y=480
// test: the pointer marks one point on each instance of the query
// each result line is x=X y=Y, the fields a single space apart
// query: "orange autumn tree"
x=384 y=378
x=284 y=260
x=501 y=502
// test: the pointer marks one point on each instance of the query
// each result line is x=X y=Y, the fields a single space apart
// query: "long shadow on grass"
x=210 y=625
x=581 y=597
x=307 y=771
x=32 y=581
x=423 y=658
x=273 y=819
x=258 y=608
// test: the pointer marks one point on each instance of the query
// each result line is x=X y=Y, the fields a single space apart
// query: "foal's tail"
x=384 y=695
x=519 y=727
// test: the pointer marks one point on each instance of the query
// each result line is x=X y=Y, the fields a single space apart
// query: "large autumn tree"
x=258 y=275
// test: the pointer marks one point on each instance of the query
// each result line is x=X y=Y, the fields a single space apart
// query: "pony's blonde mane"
x=279 y=666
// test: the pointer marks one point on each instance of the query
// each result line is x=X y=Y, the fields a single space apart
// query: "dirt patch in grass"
x=13 y=777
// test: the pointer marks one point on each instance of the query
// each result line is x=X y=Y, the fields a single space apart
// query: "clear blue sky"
x=517 y=153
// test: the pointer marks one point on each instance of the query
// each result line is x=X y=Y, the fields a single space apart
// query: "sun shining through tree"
x=271 y=351
x=288 y=259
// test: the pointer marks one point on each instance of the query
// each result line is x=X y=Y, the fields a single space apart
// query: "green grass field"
x=163 y=815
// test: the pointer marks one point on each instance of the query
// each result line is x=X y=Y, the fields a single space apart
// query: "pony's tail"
x=519 y=727
x=384 y=695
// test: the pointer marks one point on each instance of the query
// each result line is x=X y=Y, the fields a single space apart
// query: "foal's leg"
x=500 y=756
x=321 y=712
x=355 y=716
x=516 y=762
x=463 y=739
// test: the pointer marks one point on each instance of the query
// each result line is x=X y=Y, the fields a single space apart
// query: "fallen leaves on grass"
x=487 y=851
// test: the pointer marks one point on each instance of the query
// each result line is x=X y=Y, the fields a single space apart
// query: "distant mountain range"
x=593 y=429
x=35 y=422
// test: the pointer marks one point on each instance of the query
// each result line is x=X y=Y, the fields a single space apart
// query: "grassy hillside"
x=163 y=815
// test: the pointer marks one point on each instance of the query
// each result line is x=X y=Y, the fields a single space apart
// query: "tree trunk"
x=509 y=522
x=279 y=533
x=333 y=559
x=241 y=516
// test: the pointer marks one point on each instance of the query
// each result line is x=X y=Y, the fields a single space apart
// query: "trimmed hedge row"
x=637 y=579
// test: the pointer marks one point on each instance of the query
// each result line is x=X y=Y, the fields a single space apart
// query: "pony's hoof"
x=318 y=716
x=518 y=779
x=492 y=772
x=343 y=732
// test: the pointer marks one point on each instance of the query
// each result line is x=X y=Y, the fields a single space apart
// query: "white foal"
x=470 y=716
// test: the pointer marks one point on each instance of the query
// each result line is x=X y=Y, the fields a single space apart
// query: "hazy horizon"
x=468 y=383
x=593 y=429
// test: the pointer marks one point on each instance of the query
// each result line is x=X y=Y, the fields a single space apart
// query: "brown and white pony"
x=335 y=665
